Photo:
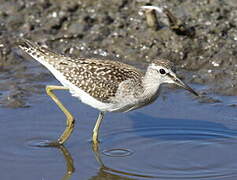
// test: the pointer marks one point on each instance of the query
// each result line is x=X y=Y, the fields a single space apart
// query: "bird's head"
x=165 y=73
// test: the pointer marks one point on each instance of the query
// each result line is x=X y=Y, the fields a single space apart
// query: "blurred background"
x=177 y=137
x=118 y=28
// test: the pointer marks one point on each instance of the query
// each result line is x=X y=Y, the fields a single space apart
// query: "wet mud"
x=119 y=29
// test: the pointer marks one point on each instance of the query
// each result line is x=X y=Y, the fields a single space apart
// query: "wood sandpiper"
x=106 y=85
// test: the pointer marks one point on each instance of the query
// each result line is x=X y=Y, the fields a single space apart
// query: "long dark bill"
x=183 y=85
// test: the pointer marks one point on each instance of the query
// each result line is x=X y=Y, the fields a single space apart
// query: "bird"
x=104 y=84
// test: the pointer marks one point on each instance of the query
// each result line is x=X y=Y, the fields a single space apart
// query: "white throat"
x=151 y=82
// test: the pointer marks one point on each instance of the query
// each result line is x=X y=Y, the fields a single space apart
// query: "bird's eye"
x=162 y=71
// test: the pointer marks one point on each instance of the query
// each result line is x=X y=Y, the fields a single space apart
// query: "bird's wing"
x=99 y=78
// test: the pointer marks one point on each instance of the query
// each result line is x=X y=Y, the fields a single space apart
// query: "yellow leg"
x=96 y=129
x=70 y=119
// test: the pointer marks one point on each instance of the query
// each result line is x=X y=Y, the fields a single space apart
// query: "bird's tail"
x=39 y=53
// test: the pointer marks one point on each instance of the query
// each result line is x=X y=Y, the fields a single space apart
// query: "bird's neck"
x=150 y=83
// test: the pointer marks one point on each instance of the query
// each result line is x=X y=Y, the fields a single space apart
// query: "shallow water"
x=175 y=138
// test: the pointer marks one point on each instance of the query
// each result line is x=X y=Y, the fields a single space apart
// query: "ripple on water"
x=171 y=153
x=18 y=146
x=119 y=152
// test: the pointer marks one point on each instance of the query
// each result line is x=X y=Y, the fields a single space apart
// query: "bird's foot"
x=49 y=144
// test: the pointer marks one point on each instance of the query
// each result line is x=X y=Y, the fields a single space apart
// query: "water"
x=175 y=138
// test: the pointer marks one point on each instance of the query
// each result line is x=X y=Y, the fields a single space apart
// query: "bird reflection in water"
x=69 y=162
x=104 y=172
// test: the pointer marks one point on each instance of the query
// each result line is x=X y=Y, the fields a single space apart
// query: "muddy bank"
x=118 y=28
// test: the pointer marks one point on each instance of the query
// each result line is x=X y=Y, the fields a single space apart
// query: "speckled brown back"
x=99 y=78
